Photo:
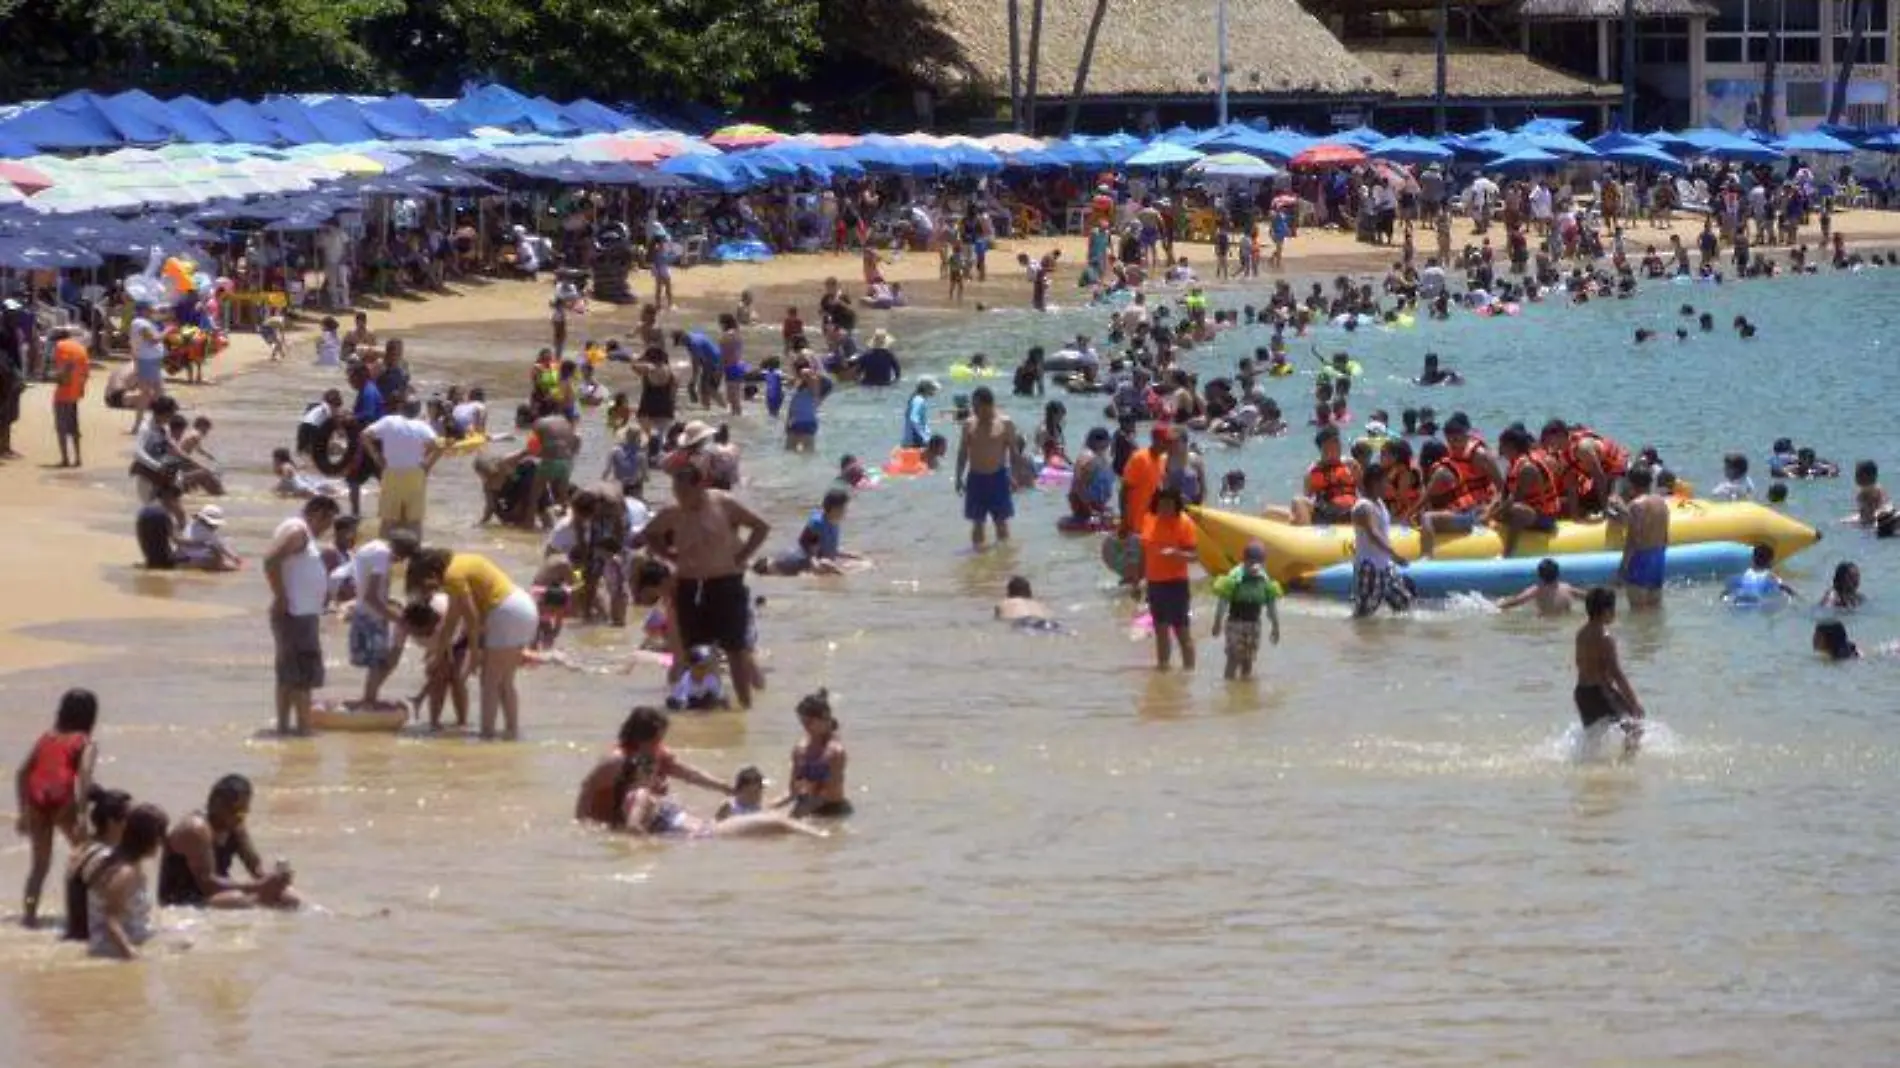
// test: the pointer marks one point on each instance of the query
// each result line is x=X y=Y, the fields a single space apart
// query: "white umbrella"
x=1234 y=165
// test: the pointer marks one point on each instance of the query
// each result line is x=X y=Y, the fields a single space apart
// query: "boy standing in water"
x=1245 y=593
x=1604 y=694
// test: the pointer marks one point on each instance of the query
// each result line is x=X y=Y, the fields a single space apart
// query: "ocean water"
x=1383 y=851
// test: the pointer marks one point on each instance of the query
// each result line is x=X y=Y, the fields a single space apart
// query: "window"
x=1873 y=11
x=1866 y=114
x=1873 y=50
x=1801 y=50
x=1797 y=16
x=1806 y=99
x=1731 y=16
x=1655 y=50
x=1723 y=50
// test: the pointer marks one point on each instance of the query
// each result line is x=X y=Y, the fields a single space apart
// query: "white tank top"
x=1363 y=550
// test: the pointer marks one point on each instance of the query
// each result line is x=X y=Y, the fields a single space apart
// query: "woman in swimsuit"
x=817 y=790
x=109 y=811
x=118 y=897
x=659 y=393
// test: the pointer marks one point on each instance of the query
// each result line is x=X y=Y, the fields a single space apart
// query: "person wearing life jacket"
x=1534 y=499
x=1331 y=486
x=1461 y=480
x=1591 y=466
x=1404 y=482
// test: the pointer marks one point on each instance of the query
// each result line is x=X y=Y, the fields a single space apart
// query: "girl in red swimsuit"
x=52 y=783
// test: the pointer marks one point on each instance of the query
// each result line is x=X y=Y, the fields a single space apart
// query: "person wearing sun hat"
x=877 y=365
x=203 y=546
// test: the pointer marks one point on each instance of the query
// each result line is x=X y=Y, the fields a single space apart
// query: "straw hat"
x=695 y=434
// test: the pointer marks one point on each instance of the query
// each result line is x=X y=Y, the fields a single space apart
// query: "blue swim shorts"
x=987 y=496
x=1645 y=569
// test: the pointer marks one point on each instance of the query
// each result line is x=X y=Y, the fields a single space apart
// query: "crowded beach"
x=621 y=451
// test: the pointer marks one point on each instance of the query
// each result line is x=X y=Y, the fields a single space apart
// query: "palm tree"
x=1082 y=67
x=1015 y=66
x=1035 y=63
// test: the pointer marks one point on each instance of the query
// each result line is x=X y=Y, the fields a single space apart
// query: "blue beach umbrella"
x=1361 y=136
x=1814 y=142
x=1163 y=155
x=1617 y=139
x=1524 y=161
x=1408 y=148
x=1643 y=155
x=1561 y=144
x=709 y=172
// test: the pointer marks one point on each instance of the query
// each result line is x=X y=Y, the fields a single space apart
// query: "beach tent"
x=186 y=125
x=292 y=120
x=597 y=118
x=32 y=253
x=500 y=106
x=342 y=121
x=246 y=123
x=13 y=149
x=1164 y=154
x=1409 y=148
x=69 y=123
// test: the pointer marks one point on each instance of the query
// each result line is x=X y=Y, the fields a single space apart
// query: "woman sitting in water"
x=817 y=778
x=628 y=790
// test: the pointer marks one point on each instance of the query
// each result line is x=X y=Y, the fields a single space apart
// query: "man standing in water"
x=699 y=535
x=1645 y=543
x=1604 y=695
x=559 y=445
x=987 y=452
x=298 y=582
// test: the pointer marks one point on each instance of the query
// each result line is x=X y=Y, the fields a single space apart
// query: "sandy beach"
x=68 y=533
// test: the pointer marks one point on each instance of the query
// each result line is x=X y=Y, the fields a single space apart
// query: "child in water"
x=53 y=783
x=700 y=689
x=1243 y=595
x=1759 y=582
x=1844 y=594
x=1872 y=507
x=748 y=795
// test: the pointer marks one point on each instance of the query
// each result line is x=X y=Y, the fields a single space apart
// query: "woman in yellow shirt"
x=498 y=617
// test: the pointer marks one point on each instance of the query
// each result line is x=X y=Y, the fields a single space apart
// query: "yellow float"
x=963 y=372
x=1294 y=552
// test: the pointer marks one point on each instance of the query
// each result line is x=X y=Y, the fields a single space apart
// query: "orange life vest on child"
x=1547 y=500
x=1404 y=489
x=1474 y=483
x=1333 y=484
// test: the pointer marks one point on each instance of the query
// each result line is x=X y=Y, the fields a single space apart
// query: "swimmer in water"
x=1551 y=595
x=628 y=790
x=1830 y=640
x=818 y=764
x=1871 y=502
x=1020 y=607
x=1759 y=581
x=1434 y=375
x=1244 y=595
x=1844 y=594
x=1603 y=694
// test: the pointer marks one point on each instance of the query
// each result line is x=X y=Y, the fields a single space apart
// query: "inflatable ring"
x=963 y=372
x=330 y=717
x=905 y=463
x=1281 y=370
x=327 y=457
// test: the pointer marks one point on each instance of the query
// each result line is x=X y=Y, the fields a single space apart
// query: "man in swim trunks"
x=559 y=445
x=988 y=450
x=1603 y=694
x=1645 y=544
x=195 y=870
x=699 y=535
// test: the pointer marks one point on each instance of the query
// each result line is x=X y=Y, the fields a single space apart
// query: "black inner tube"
x=332 y=456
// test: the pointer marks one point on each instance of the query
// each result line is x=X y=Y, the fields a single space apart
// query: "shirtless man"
x=195 y=871
x=1551 y=595
x=986 y=453
x=559 y=445
x=1646 y=541
x=699 y=535
x=1604 y=696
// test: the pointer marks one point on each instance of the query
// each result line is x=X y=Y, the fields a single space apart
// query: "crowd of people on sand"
x=680 y=571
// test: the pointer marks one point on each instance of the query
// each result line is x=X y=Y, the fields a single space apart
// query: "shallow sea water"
x=1380 y=853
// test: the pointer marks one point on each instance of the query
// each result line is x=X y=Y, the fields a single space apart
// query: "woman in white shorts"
x=499 y=618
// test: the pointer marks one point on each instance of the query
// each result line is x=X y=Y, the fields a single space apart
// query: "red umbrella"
x=24 y=178
x=1329 y=155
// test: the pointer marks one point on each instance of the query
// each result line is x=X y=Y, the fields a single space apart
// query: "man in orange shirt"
x=1141 y=477
x=70 y=368
x=1167 y=548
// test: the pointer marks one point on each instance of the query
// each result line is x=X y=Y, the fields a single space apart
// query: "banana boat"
x=1295 y=553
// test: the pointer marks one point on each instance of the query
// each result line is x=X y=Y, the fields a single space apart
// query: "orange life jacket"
x=1333 y=483
x=1404 y=489
x=1474 y=482
x=1613 y=456
x=1547 y=500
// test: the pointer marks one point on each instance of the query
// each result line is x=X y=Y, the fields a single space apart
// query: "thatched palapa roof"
x=1409 y=69
x=1150 y=48
x=1590 y=10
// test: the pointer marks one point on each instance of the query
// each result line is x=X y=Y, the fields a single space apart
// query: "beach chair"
x=693 y=250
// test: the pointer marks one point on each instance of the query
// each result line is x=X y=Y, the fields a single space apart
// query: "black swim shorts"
x=713 y=611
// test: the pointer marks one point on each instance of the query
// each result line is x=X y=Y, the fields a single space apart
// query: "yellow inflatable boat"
x=1294 y=552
